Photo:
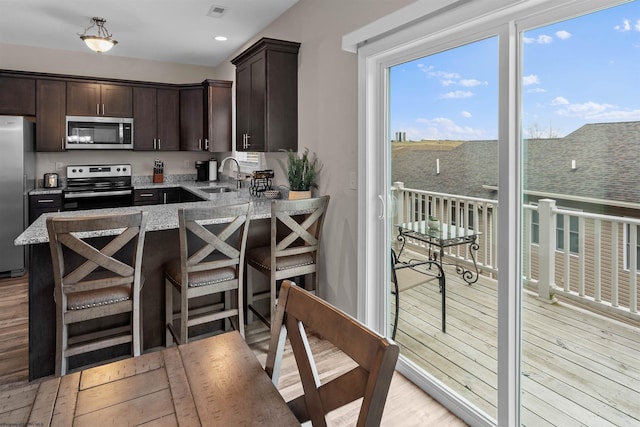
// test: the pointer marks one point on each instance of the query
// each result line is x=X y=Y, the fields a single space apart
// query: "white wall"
x=328 y=116
x=327 y=105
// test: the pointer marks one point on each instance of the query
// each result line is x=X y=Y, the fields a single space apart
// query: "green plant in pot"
x=302 y=171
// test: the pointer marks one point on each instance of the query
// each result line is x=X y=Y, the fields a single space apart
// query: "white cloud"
x=466 y=114
x=563 y=35
x=541 y=39
x=531 y=79
x=444 y=128
x=537 y=90
x=447 y=82
x=471 y=82
x=457 y=94
x=625 y=26
x=595 y=112
x=559 y=100
x=588 y=109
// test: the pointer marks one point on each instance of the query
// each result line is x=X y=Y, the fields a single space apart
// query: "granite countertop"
x=161 y=217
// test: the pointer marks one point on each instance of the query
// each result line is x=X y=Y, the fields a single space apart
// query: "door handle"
x=381 y=215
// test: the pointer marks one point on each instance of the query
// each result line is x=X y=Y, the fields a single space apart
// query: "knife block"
x=158 y=178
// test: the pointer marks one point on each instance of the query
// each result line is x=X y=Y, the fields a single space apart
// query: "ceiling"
x=165 y=30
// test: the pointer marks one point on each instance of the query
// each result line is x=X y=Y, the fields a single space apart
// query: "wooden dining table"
x=216 y=381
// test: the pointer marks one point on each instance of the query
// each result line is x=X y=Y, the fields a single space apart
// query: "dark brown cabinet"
x=192 y=116
x=267 y=96
x=156 y=115
x=219 y=111
x=43 y=203
x=205 y=117
x=99 y=99
x=145 y=197
x=51 y=98
x=17 y=96
x=163 y=196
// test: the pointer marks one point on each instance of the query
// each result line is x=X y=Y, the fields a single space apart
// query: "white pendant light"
x=102 y=41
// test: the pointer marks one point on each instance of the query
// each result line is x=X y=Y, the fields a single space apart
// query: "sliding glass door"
x=581 y=210
x=443 y=117
x=502 y=147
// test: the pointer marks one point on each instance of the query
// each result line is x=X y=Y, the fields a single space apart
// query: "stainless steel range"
x=97 y=186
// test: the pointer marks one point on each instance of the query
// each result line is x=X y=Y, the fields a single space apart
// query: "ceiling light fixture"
x=102 y=42
x=220 y=38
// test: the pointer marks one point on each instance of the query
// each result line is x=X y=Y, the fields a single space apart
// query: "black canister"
x=202 y=170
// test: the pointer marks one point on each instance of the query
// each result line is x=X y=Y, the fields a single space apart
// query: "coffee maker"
x=202 y=170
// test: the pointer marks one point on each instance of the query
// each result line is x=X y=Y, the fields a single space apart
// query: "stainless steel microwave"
x=111 y=133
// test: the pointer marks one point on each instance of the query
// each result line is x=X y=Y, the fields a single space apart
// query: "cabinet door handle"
x=45 y=201
x=145 y=195
x=199 y=144
x=62 y=140
x=97 y=109
x=159 y=144
x=103 y=109
x=206 y=144
x=247 y=144
x=165 y=198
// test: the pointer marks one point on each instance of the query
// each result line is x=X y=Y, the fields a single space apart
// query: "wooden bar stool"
x=91 y=283
x=296 y=227
x=212 y=247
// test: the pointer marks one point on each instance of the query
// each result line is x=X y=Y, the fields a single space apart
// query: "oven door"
x=83 y=200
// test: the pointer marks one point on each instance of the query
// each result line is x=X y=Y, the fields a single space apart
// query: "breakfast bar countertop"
x=161 y=217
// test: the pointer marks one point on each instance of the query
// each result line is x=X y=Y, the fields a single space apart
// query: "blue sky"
x=584 y=70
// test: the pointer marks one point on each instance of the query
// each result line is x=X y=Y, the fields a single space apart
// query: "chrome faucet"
x=238 y=176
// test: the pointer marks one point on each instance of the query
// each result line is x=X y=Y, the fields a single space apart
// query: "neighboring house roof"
x=607 y=157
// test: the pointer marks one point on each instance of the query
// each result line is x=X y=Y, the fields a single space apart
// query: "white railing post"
x=547 y=248
x=398 y=194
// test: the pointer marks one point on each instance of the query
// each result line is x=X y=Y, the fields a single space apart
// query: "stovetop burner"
x=96 y=178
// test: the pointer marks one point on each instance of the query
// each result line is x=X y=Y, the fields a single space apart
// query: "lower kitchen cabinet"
x=163 y=196
x=43 y=203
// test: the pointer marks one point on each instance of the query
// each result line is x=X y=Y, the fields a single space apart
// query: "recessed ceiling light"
x=221 y=38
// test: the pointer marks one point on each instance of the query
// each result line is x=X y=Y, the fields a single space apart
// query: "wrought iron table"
x=443 y=237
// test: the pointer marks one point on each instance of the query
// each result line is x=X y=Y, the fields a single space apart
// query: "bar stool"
x=212 y=247
x=91 y=283
x=296 y=227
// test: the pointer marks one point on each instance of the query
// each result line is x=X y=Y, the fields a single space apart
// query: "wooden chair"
x=375 y=355
x=212 y=248
x=90 y=283
x=296 y=227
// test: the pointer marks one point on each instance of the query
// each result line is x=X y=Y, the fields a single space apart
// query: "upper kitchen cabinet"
x=51 y=98
x=267 y=96
x=192 y=130
x=205 y=116
x=156 y=115
x=99 y=99
x=17 y=96
x=218 y=119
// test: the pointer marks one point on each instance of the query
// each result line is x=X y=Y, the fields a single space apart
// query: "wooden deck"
x=579 y=368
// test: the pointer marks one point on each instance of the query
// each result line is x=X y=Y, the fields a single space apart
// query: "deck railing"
x=581 y=256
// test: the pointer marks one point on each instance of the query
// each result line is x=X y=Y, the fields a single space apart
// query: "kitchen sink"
x=217 y=189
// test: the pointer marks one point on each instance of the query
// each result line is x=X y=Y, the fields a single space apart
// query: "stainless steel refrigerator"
x=17 y=178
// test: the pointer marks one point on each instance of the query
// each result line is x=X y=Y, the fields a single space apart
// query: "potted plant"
x=301 y=171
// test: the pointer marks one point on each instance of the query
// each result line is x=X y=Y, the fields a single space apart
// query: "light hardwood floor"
x=406 y=405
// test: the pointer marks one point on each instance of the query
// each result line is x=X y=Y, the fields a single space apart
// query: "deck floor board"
x=579 y=368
